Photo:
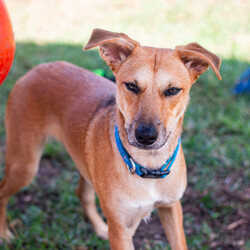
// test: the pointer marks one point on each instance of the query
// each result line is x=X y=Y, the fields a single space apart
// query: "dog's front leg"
x=120 y=238
x=172 y=221
x=122 y=223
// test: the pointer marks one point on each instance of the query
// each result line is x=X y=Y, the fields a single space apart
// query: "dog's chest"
x=145 y=198
x=151 y=196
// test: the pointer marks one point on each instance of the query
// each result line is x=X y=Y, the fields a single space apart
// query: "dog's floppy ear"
x=115 y=48
x=197 y=60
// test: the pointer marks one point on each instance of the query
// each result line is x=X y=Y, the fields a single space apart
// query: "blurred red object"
x=7 y=42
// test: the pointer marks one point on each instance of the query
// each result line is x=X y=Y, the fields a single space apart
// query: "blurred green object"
x=99 y=72
x=102 y=72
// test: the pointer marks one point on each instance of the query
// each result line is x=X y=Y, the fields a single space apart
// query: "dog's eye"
x=172 y=91
x=132 y=87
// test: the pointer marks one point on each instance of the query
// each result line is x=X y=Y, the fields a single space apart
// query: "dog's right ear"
x=115 y=48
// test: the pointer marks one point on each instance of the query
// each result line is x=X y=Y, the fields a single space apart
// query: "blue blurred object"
x=243 y=84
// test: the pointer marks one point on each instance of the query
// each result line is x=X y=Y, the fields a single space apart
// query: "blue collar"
x=133 y=167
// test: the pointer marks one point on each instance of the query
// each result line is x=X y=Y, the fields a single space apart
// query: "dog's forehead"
x=148 y=64
x=145 y=75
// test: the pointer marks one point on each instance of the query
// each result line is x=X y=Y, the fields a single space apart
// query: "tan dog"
x=81 y=110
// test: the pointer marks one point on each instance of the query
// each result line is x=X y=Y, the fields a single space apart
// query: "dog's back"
x=71 y=88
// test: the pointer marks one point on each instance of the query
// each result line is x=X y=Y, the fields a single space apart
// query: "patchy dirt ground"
x=231 y=235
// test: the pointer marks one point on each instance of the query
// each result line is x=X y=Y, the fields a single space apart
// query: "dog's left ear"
x=115 y=48
x=197 y=60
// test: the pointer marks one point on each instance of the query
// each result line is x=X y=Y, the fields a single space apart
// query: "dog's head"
x=152 y=85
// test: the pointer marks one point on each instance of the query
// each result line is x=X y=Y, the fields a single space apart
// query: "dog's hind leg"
x=86 y=194
x=21 y=166
x=25 y=137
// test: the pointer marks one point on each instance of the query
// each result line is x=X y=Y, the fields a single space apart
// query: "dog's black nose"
x=146 y=134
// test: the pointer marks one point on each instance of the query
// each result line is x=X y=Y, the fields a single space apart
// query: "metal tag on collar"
x=131 y=170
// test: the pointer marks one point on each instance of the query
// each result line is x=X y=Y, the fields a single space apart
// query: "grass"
x=216 y=127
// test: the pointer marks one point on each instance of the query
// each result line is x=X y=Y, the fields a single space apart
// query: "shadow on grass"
x=215 y=143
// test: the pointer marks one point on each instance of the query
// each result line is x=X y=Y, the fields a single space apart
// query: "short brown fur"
x=81 y=110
